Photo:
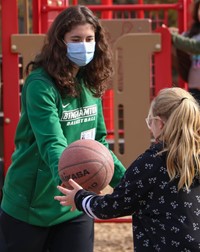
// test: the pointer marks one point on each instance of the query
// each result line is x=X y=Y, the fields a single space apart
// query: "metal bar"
x=75 y=2
x=11 y=105
x=107 y=14
x=115 y=220
x=127 y=7
x=45 y=16
x=37 y=16
x=141 y=13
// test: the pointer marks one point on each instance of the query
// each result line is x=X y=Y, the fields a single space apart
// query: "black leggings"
x=76 y=235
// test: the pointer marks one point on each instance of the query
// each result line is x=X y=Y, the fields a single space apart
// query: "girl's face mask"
x=81 y=53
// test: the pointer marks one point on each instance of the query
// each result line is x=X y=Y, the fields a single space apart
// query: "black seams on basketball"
x=87 y=162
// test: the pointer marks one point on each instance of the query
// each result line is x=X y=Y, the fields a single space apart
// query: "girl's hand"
x=68 y=199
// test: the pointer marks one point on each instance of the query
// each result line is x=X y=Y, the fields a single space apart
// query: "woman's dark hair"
x=195 y=27
x=55 y=62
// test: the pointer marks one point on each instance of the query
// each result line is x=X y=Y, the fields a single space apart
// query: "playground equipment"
x=142 y=59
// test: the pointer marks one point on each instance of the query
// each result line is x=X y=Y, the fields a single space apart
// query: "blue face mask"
x=81 y=53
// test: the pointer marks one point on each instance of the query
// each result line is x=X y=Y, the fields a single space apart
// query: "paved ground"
x=113 y=237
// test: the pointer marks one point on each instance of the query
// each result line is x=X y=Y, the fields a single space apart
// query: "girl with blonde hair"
x=161 y=188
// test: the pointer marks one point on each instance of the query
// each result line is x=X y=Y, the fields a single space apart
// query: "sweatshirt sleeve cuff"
x=80 y=196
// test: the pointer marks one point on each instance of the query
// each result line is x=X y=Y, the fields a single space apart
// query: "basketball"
x=87 y=162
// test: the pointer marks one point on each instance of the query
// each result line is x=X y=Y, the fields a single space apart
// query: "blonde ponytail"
x=180 y=134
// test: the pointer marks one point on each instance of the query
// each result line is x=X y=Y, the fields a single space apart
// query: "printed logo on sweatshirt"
x=65 y=105
x=80 y=115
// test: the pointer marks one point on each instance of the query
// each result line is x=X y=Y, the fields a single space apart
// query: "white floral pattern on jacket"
x=164 y=219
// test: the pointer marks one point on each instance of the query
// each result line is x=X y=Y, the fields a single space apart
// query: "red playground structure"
x=141 y=45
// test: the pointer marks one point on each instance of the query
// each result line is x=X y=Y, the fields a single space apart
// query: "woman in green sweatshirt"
x=61 y=102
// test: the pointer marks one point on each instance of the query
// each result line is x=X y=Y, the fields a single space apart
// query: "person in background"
x=186 y=44
x=61 y=103
x=192 y=68
x=161 y=188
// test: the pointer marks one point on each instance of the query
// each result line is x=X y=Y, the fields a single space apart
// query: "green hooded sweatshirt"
x=48 y=124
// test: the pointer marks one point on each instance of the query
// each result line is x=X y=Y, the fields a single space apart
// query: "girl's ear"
x=161 y=123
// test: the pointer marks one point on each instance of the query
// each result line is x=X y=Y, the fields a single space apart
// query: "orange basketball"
x=87 y=162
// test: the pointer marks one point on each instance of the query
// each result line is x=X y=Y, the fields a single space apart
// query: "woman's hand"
x=68 y=199
x=173 y=30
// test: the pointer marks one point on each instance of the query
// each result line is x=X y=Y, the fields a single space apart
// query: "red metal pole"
x=121 y=7
x=116 y=220
x=44 y=16
x=36 y=6
x=10 y=76
x=107 y=14
x=75 y=2
x=48 y=11
x=141 y=12
x=108 y=102
x=182 y=15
